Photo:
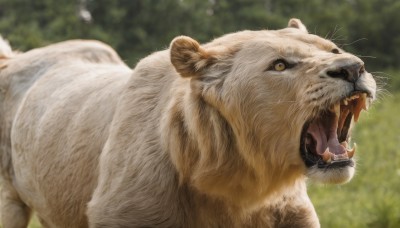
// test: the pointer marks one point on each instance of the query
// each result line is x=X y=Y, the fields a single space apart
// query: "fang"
x=351 y=152
x=326 y=156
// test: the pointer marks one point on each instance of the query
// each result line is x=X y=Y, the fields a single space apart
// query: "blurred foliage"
x=369 y=28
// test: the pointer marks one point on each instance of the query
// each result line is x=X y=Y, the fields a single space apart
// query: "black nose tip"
x=349 y=72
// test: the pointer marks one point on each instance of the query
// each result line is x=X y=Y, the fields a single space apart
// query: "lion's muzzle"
x=350 y=72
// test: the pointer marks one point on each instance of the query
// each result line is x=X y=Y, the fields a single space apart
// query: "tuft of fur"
x=5 y=49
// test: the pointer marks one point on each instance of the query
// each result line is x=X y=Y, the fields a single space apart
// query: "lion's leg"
x=14 y=212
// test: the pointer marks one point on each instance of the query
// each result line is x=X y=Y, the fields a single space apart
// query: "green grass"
x=372 y=198
x=35 y=223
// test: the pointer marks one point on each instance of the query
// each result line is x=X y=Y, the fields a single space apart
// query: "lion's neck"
x=205 y=152
x=290 y=208
x=200 y=210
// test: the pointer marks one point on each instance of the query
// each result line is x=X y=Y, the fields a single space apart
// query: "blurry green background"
x=367 y=28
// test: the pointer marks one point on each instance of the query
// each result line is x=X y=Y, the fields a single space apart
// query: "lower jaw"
x=332 y=175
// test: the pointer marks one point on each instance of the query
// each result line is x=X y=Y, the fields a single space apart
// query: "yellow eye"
x=280 y=66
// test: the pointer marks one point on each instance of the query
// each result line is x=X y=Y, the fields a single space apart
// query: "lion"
x=223 y=134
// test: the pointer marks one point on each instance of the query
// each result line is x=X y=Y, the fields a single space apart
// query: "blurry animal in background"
x=222 y=134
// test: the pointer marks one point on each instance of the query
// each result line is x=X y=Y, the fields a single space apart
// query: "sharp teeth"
x=345 y=102
x=360 y=104
x=337 y=109
x=364 y=102
x=338 y=157
x=351 y=152
x=326 y=156
x=354 y=97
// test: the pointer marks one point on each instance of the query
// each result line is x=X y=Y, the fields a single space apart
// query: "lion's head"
x=286 y=101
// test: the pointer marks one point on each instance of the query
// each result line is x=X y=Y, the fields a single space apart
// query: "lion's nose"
x=349 y=72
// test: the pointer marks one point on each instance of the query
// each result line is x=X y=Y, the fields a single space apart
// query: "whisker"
x=347 y=44
x=315 y=30
x=339 y=38
x=335 y=31
x=382 y=94
x=379 y=73
x=366 y=56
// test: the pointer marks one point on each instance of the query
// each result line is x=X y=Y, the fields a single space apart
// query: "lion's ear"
x=188 y=57
x=296 y=23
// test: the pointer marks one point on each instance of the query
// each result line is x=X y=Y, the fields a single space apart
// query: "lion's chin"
x=338 y=175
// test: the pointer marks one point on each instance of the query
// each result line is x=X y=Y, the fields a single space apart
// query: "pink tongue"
x=324 y=133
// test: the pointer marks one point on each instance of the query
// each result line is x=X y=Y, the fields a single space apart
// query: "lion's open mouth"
x=324 y=139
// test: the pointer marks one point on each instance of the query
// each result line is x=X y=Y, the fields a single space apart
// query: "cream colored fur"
x=5 y=49
x=72 y=75
x=194 y=136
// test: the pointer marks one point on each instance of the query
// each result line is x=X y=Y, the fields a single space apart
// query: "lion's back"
x=58 y=133
x=60 y=106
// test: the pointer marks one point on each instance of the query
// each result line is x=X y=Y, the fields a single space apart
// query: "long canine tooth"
x=345 y=102
x=337 y=109
x=363 y=99
x=326 y=156
x=360 y=104
x=351 y=152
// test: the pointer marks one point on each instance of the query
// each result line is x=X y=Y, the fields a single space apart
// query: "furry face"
x=289 y=98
